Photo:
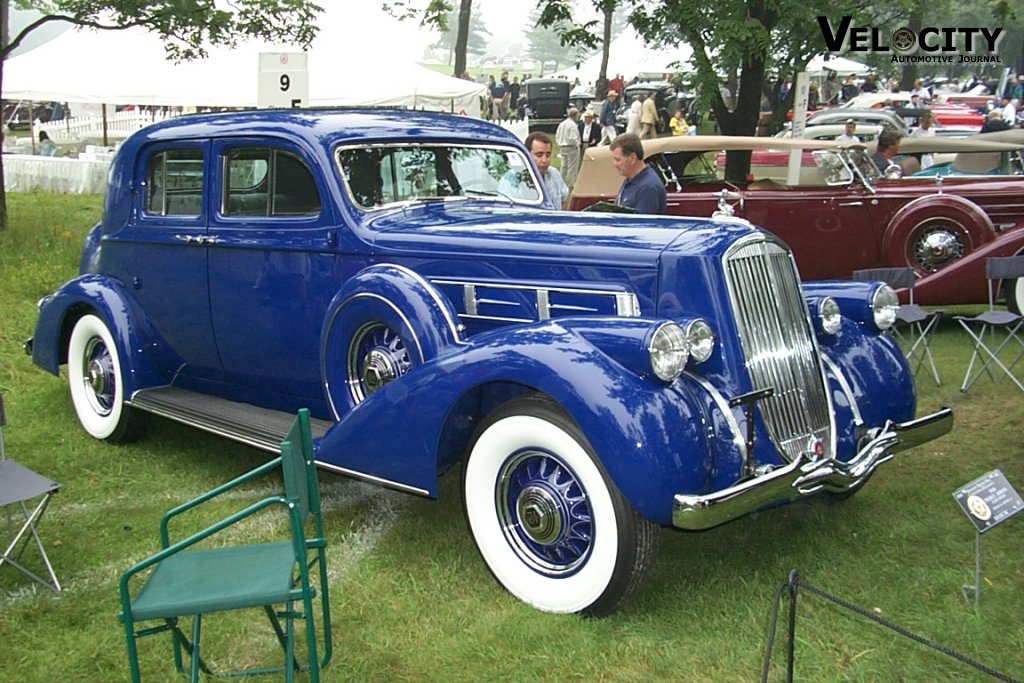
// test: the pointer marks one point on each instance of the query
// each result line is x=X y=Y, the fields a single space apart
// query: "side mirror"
x=893 y=171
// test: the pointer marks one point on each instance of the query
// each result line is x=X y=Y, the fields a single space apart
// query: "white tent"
x=130 y=67
x=630 y=56
x=841 y=65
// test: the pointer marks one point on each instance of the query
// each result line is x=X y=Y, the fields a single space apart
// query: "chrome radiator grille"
x=771 y=317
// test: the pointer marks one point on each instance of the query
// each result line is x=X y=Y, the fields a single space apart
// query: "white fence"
x=118 y=125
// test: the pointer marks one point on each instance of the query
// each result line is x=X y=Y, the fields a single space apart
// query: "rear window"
x=175 y=183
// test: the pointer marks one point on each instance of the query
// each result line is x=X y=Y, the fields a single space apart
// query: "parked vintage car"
x=862 y=117
x=981 y=154
x=598 y=376
x=545 y=101
x=945 y=228
x=667 y=101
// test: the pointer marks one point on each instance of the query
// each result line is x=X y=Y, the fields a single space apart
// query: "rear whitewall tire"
x=96 y=383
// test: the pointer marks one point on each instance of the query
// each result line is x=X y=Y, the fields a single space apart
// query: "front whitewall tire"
x=590 y=552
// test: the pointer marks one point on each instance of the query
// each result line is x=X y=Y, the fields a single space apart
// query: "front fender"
x=870 y=380
x=650 y=437
x=109 y=299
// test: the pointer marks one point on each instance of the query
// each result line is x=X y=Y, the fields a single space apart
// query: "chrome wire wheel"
x=937 y=246
x=377 y=355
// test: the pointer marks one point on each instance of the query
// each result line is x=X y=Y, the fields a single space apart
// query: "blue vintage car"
x=597 y=375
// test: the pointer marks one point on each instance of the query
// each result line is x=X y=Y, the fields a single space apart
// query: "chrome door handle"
x=851 y=204
x=187 y=238
x=206 y=239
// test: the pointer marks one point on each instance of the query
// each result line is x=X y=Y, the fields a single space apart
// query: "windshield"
x=379 y=176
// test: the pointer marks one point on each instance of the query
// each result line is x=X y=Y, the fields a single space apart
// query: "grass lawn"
x=412 y=601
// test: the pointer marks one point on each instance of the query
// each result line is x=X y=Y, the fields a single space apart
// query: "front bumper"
x=807 y=475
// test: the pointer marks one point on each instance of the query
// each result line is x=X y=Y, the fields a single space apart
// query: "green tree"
x=476 y=41
x=545 y=42
x=560 y=15
x=185 y=26
x=435 y=14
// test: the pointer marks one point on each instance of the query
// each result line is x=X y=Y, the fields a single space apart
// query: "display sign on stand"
x=987 y=501
x=283 y=80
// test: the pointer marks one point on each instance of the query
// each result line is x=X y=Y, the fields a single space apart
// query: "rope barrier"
x=791 y=587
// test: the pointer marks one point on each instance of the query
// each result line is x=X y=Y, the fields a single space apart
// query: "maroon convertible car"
x=943 y=227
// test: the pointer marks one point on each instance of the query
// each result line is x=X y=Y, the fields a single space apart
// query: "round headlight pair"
x=884 y=307
x=672 y=346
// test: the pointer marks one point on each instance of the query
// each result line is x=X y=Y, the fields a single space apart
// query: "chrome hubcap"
x=938 y=247
x=376 y=356
x=538 y=511
x=99 y=379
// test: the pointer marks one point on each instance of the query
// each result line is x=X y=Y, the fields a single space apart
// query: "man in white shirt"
x=925 y=130
x=848 y=136
x=556 y=192
x=568 y=138
x=1009 y=112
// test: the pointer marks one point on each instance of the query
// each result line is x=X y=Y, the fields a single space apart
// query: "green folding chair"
x=183 y=580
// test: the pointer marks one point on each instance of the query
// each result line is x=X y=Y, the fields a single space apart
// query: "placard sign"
x=989 y=500
x=283 y=80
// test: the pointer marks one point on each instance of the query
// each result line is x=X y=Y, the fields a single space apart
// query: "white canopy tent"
x=130 y=67
x=630 y=56
x=841 y=65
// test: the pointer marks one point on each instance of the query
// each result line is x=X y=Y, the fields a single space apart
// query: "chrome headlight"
x=829 y=316
x=668 y=351
x=700 y=340
x=884 y=307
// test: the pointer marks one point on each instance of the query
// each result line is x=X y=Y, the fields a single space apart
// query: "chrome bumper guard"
x=807 y=475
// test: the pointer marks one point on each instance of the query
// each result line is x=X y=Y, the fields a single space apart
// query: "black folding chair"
x=914 y=325
x=20 y=487
x=1002 y=328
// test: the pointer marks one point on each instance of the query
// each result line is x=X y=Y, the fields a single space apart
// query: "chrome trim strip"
x=844 y=384
x=722 y=403
x=372 y=479
x=806 y=475
x=625 y=302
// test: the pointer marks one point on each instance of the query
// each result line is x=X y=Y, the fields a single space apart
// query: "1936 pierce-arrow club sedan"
x=598 y=376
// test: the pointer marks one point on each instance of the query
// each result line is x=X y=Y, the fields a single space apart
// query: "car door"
x=273 y=268
x=828 y=229
x=161 y=256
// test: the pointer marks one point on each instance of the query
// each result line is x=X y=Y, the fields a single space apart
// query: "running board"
x=254 y=426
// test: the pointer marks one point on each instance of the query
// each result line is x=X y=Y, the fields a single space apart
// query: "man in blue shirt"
x=642 y=190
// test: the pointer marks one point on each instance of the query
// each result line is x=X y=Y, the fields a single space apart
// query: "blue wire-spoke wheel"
x=544 y=512
x=548 y=522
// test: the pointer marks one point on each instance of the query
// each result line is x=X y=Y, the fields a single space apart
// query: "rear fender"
x=111 y=301
x=650 y=437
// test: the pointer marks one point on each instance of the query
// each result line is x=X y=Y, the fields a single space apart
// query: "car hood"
x=469 y=231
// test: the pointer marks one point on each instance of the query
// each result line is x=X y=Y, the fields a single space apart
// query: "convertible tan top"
x=598 y=178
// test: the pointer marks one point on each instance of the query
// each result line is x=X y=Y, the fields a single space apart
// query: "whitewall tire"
x=96 y=382
x=548 y=522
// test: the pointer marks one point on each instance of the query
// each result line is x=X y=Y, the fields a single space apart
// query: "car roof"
x=835 y=129
x=326 y=127
x=940 y=144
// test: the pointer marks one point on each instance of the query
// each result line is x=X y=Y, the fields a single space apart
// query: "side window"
x=268 y=182
x=174 y=180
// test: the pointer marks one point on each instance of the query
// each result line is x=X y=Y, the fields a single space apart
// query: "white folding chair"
x=1001 y=328
x=20 y=486
x=914 y=325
